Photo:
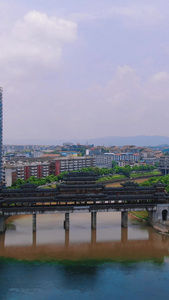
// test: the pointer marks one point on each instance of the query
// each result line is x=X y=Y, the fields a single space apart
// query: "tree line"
x=115 y=170
x=151 y=181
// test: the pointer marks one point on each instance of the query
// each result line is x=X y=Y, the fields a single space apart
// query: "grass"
x=114 y=177
x=132 y=175
x=143 y=215
x=145 y=174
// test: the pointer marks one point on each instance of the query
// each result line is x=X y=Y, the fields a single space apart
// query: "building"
x=71 y=164
x=105 y=160
x=25 y=171
x=1 y=134
x=40 y=169
x=164 y=164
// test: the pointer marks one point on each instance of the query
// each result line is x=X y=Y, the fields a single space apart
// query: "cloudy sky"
x=82 y=69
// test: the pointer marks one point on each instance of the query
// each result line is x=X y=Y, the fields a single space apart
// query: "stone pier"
x=93 y=237
x=34 y=222
x=124 y=219
x=34 y=239
x=93 y=220
x=160 y=215
x=124 y=234
x=2 y=224
x=66 y=238
x=2 y=244
x=66 y=222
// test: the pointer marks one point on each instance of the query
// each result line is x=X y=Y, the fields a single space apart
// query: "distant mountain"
x=139 y=140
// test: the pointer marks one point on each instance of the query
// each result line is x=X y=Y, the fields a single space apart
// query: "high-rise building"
x=1 y=133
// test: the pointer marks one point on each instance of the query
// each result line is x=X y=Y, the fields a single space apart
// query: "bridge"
x=80 y=192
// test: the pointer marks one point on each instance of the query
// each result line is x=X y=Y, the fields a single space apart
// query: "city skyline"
x=83 y=70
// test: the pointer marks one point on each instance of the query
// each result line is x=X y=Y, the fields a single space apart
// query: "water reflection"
x=108 y=242
x=75 y=276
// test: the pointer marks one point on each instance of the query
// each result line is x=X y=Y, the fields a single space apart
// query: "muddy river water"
x=83 y=264
x=108 y=242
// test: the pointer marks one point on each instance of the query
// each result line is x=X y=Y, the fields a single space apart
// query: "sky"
x=83 y=69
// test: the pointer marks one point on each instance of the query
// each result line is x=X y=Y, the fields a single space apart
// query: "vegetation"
x=114 y=177
x=140 y=214
x=126 y=171
x=151 y=181
x=114 y=173
x=53 y=152
x=38 y=181
x=145 y=174
x=135 y=175
x=117 y=172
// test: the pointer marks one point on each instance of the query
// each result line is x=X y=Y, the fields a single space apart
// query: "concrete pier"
x=66 y=238
x=160 y=215
x=2 y=244
x=93 y=220
x=66 y=222
x=93 y=237
x=34 y=222
x=124 y=235
x=34 y=239
x=124 y=219
x=2 y=224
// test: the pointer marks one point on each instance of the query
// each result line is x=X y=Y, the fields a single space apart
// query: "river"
x=110 y=262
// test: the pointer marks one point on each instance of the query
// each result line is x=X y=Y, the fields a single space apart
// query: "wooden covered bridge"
x=80 y=192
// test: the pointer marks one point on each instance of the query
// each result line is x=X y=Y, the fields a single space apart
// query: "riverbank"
x=162 y=228
x=140 y=215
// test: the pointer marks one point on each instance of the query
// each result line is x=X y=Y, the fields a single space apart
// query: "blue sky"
x=84 y=69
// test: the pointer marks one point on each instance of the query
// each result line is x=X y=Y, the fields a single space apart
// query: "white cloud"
x=128 y=106
x=142 y=11
x=160 y=77
x=35 y=43
x=123 y=88
x=157 y=91
x=84 y=99
x=130 y=14
x=124 y=106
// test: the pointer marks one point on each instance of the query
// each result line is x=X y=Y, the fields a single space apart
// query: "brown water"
x=110 y=262
x=108 y=242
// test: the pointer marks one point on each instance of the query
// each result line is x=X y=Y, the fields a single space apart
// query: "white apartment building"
x=105 y=160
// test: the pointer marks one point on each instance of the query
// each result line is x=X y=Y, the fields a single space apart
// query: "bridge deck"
x=41 y=209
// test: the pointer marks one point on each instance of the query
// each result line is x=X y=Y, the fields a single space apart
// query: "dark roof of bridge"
x=81 y=176
x=159 y=184
x=29 y=186
x=81 y=185
x=130 y=184
x=76 y=174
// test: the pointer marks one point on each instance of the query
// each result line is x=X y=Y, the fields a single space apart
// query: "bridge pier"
x=124 y=219
x=124 y=235
x=160 y=215
x=2 y=244
x=2 y=224
x=93 y=237
x=152 y=217
x=34 y=222
x=93 y=220
x=34 y=239
x=66 y=222
x=66 y=238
